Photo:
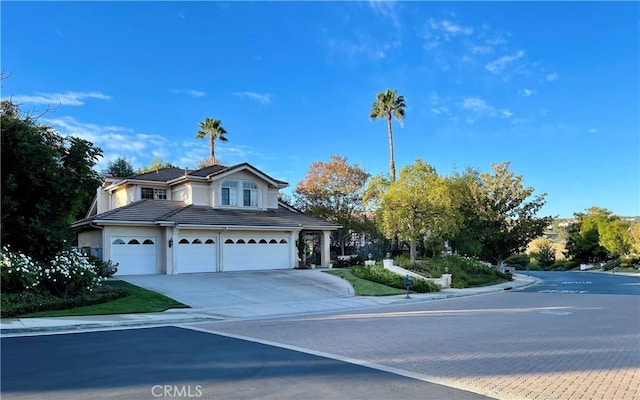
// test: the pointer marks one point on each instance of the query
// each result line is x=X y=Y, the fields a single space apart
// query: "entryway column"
x=325 y=255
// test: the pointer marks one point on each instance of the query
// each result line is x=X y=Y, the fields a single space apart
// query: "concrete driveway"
x=231 y=289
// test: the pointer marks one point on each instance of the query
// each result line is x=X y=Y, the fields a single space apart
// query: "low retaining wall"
x=444 y=281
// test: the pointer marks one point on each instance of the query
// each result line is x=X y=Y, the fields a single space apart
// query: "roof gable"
x=250 y=168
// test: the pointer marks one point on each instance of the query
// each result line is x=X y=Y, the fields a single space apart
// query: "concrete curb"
x=342 y=304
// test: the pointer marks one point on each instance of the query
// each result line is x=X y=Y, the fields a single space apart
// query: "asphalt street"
x=573 y=336
x=172 y=362
x=585 y=282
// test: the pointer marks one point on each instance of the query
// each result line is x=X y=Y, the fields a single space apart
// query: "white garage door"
x=134 y=255
x=256 y=253
x=196 y=254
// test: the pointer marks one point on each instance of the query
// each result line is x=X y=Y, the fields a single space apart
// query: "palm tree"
x=388 y=105
x=213 y=129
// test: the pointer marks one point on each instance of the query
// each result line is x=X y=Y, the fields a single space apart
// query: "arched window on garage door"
x=118 y=241
x=228 y=241
x=133 y=241
x=183 y=241
x=148 y=241
x=196 y=241
x=210 y=241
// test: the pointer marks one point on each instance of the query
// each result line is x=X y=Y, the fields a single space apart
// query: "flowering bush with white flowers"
x=18 y=272
x=69 y=274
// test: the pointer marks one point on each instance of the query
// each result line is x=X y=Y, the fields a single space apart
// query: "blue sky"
x=552 y=87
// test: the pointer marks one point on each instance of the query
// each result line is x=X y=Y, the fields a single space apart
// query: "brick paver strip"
x=506 y=345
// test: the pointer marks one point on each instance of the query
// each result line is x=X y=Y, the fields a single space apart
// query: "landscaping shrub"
x=465 y=271
x=518 y=259
x=18 y=272
x=611 y=264
x=69 y=274
x=104 y=269
x=379 y=274
x=16 y=304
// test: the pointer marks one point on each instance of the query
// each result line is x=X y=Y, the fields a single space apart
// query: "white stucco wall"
x=200 y=194
x=123 y=196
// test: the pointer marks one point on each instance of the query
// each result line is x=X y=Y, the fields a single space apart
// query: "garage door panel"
x=197 y=254
x=256 y=253
x=134 y=255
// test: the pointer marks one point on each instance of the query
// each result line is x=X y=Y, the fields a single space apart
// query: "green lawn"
x=139 y=301
x=364 y=287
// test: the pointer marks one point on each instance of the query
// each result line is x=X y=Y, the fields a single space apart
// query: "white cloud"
x=527 y=92
x=593 y=130
x=497 y=66
x=386 y=9
x=506 y=113
x=476 y=105
x=362 y=48
x=438 y=31
x=454 y=28
x=481 y=49
x=264 y=98
x=552 y=77
x=480 y=108
x=107 y=137
x=65 y=99
x=194 y=93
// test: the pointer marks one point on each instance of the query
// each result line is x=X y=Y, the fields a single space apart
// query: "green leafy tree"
x=156 y=164
x=333 y=191
x=597 y=235
x=416 y=206
x=212 y=129
x=544 y=253
x=634 y=231
x=388 y=105
x=500 y=214
x=47 y=182
x=120 y=168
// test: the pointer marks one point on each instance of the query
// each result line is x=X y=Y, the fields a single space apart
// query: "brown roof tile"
x=153 y=211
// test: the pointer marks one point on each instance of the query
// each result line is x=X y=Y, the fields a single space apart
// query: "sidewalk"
x=19 y=326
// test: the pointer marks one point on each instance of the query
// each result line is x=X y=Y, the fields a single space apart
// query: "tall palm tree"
x=388 y=105
x=213 y=129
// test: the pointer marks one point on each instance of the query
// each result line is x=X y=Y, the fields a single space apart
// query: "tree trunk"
x=212 y=157
x=412 y=251
x=392 y=164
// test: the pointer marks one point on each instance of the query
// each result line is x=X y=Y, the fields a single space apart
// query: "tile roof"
x=138 y=211
x=160 y=175
x=153 y=211
x=169 y=174
x=206 y=171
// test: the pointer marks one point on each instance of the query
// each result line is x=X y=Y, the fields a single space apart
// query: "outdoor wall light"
x=170 y=242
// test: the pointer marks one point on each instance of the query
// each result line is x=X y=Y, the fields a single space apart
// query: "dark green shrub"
x=103 y=269
x=16 y=304
x=379 y=274
x=518 y=259
x=611 y=264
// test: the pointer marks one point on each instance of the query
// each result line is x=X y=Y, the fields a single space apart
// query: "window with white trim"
x=249 y=194
x=154 y=193
x=239 y=193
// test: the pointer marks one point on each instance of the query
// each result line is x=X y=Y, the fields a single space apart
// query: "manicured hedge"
x=379 y=274
x=15 y=304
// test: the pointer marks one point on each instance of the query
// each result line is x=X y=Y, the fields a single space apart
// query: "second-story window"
x=239 y=193
x=154 y=194
x=249 y=194
x=230 y=193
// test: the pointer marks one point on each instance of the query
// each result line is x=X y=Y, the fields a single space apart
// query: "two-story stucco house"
x=214 y=219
